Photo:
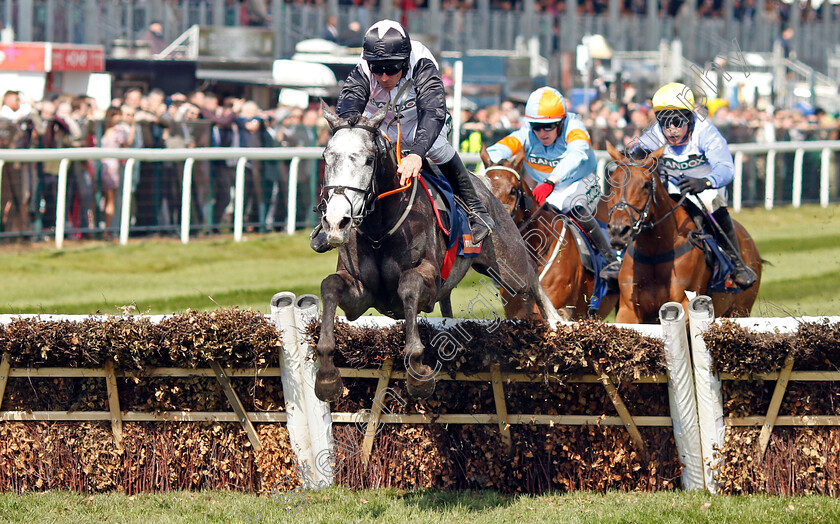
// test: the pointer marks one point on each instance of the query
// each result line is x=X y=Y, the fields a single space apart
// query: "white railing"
x=296 y=154
x=188 y=156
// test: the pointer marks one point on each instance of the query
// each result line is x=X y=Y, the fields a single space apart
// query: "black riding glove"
x=694 y=185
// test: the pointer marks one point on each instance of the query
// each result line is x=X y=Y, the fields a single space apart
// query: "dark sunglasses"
x=544 y=127
x=672 y=120
x=386 y=68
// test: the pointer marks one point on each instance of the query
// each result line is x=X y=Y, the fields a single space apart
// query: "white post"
x=291 y=208
x=318 y=414
x=797 y=178
x=61 y=203
x=239 y=199
x=125 y=212
x=681 y=394
x=738 y=182
x=601 y=170
x=825 y=170
x=458 y=73
x=186 y=200
x=770 y=180
x=701 y=313
x=283 y=317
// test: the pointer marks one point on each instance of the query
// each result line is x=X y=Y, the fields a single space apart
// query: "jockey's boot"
x=743 y=275
x=481 y=223
x=599 y=240
x=318 y=240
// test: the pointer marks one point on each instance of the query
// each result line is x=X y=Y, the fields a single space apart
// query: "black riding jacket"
x=422 y=104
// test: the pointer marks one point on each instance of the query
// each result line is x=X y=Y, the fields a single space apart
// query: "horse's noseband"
x=370 y=192
x=640 y=223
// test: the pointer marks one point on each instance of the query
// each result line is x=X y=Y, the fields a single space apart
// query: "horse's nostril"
x=344 y=223
x=625 y=231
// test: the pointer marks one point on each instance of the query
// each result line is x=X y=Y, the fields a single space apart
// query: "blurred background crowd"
x=203 y=119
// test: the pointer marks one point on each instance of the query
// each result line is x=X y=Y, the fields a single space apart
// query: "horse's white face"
x=349 y=158
x=349 y=163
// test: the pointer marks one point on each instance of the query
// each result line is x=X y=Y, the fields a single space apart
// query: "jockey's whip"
x=533 y=215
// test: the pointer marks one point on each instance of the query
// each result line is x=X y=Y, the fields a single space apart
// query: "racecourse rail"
x=296 y=154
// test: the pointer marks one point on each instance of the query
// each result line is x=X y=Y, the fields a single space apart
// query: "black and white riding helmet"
x=387 y=40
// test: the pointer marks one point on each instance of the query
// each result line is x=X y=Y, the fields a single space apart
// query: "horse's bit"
x=371 y=191
x=640 y=216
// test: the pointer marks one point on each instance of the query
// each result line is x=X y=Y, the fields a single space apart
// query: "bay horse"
x=665 y=260
x=548 y=238
x=391 y=250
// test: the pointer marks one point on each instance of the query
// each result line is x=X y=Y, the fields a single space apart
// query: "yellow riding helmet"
x=545 y=105
x=673 y=96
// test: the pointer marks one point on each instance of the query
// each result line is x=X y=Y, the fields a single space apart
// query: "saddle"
x=451 y=215
x=716 y=259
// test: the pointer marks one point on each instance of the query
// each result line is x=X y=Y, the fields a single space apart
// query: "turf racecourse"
x=161 y=275
x=340 y=505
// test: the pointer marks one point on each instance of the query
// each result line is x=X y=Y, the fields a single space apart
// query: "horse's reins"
x=640 y=224
x=520 y=203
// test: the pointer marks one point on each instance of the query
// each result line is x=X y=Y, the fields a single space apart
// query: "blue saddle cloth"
x=721 y=266
x=457 y=222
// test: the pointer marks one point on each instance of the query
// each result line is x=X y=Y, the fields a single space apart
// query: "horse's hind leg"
x=416 y=287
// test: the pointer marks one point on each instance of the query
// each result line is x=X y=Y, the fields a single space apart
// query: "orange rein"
x=399 y=158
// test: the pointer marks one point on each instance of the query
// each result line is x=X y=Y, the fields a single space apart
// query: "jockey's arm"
x=507 y=147
x=431 y=106
x=573 y=165
x=719 y=157
x=354 y=95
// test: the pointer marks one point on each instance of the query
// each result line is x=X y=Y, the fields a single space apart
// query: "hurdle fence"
x=695 y=436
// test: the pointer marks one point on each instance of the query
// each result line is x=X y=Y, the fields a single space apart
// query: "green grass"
x=341 y=505
x=162 y=276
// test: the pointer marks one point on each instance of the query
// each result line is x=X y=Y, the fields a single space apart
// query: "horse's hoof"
x=328 y=386
x=421 y=389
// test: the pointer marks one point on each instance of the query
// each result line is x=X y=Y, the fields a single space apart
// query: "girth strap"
x=661 y=258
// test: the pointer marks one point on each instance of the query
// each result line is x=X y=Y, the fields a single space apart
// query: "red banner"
x=33 y=56
x=22 y=56
x=67 y=57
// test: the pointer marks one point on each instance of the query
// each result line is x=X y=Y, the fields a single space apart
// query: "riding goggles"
x=669 y=119
x=389 y=68
x=536 y=126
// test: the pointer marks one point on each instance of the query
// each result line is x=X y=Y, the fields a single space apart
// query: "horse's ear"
x=614 y=153
x=518 y=159
x=485 y=156
x=332 y=117
x=658 y=153
x=378 y=117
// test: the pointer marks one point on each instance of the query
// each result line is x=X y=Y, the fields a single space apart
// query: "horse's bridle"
x=521 y=202
x=371 y=192
x=640 y=216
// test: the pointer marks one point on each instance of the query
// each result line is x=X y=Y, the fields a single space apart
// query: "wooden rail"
x=385 y=375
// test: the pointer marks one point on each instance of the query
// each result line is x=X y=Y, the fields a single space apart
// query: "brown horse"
x=665 y=261
x=549 y=240
x=391 y=251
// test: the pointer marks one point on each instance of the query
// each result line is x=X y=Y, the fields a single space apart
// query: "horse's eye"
x=369 y=161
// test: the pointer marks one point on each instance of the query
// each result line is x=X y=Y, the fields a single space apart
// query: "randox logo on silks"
x=692 y=162
x=543 y=161
x=411 y=103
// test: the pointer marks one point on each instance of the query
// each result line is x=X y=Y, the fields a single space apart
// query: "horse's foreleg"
x=328 y=385
x=416 y=288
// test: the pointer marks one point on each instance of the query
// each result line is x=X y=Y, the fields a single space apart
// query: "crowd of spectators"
x=150 y=120
x=203 y=119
